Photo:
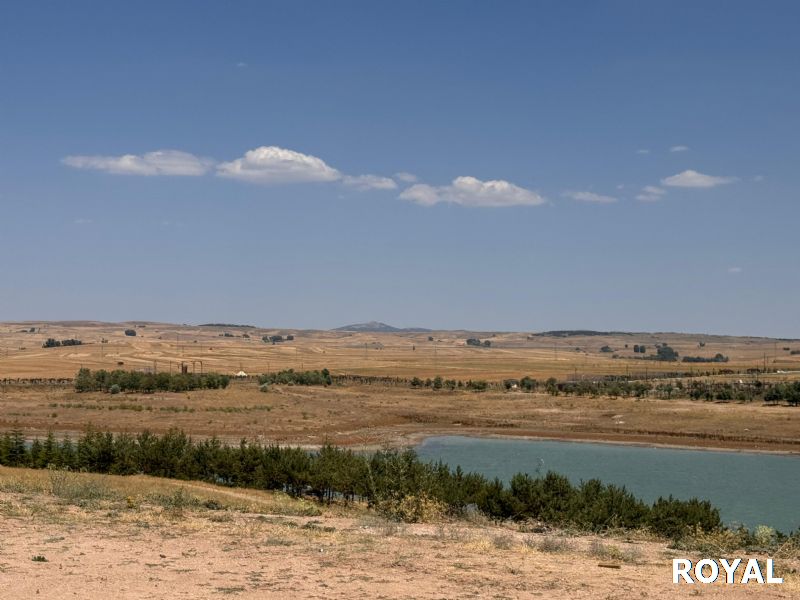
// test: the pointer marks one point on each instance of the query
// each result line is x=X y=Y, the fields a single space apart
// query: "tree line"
x=749 y=391
x=382 y=480
x=136 y=381
x=292 y=377
x=54 y=343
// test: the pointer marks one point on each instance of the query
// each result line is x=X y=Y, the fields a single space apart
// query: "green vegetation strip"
x=396 y=483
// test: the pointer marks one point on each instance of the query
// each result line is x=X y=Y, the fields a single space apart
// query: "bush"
x=413 y=509
x=114 y=389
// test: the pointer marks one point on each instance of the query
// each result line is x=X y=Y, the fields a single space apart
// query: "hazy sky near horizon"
x=479 y=165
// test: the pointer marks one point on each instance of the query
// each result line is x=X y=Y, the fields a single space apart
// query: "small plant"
x=114 y=389
x=175 y=503
x=39 y=558
x=503 y=542
x=554 y=545
x=607 y=551
x=77 y=488
x=413 y=509
x=764 y=536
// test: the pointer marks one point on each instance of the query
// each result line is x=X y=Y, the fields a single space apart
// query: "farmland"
x=381 y=414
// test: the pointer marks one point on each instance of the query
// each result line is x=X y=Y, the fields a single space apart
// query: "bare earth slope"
x=95 y=537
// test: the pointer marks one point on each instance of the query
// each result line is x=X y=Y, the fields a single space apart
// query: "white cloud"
x=369 y=182
x=679 y=148
x=424 y=194
x=758 y=178
x=405 y=177
x=693 y=179
x=241 y=65
x=643 y=151
x=650 y=193
x=160 y=162
x=734 y=270
x=82 y=221
x=469 y=191
x=590 y=197
x=271 y=164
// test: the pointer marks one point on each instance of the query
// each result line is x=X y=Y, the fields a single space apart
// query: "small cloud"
x=271 y=164
x=620 y=186
x=590 y=197
x=650 y=193
x=734 y=270
x=369 y=182
x=693 y=179
x=679 y=148
x=758 y=178
x=405 y=177
x=241 y=65
x=469 y=191
x=643 y=151
x=82 y=221
x=160 y=162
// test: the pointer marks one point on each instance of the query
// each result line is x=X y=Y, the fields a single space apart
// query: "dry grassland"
x=377 y=415
x=165 y=347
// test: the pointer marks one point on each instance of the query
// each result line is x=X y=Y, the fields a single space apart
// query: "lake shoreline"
x=374 y=439
x=413 y=440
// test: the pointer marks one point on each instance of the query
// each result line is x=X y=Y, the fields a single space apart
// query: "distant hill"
x=378 y=327
x=580 y=332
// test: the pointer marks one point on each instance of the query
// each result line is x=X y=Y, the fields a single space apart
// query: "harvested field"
x=164 y=347
x=378 y=415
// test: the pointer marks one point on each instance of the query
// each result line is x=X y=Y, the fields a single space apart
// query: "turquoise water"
x=749 y=489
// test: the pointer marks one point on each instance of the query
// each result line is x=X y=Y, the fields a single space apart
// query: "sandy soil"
x=127 y=545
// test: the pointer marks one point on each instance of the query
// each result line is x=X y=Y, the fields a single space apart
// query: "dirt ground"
x=378 y=415
x=91 y=536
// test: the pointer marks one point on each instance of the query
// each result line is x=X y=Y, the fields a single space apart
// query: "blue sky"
x=506 y=166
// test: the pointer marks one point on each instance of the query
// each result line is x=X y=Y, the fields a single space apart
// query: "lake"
x=748 y=488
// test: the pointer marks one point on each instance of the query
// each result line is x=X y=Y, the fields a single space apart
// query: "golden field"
x=380 y=414
x=164 y=347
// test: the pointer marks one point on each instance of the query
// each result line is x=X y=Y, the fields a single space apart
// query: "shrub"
x=554 y=544
x=413 y=509
x=114 y=389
